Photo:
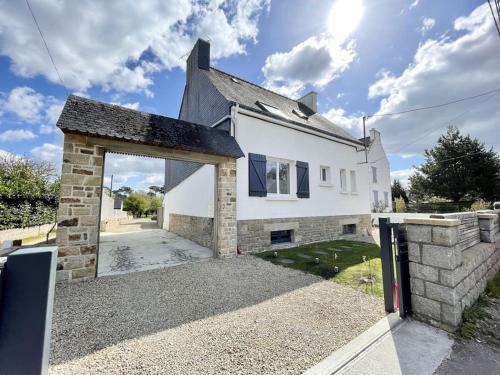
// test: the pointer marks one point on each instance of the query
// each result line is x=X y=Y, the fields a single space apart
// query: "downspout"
x=234 y=113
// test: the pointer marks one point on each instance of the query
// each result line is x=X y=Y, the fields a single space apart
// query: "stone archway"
x=82 y=176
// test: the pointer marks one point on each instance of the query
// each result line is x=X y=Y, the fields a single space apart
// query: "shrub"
x=400 y=204
x=480 y=205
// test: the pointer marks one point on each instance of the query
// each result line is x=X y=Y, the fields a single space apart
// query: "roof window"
x=299 y=113
x=273 y=110
x=235 y=80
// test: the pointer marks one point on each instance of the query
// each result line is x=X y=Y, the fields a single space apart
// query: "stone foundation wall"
x=255 y=235
x=449 y=266
x=195 y=228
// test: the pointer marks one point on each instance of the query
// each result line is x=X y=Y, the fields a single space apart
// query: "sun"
x=344 y=17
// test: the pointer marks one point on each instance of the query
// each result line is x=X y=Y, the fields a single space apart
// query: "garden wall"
x=22 y=233
x=195 y=228
x=451 y=258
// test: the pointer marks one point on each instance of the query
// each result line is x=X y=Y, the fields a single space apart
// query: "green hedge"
x=438 y=207
x=26 y=214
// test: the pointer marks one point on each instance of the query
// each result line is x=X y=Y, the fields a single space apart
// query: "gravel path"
x=241 y=315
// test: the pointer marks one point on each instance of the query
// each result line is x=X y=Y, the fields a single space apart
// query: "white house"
x=303 y=178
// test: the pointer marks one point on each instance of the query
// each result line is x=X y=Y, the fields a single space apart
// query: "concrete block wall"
x=195 y=228
x=451 y=260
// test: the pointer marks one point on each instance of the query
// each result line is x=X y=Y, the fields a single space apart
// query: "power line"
x=434 y=106
x=493 y=14
x=46 y=46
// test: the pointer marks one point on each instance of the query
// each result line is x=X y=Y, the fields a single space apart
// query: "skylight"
x=299 y=113
x=235 y=80
x=273 y=110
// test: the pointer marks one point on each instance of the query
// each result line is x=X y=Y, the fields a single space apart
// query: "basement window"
x=281 y=236
x=349 y=229
x=273 y=110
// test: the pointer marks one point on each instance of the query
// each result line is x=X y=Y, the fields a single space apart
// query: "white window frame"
x=386 y=199
x=343 y=182
x=353 y=181
x=291 y=176
x=374 y=175
x=328 y=181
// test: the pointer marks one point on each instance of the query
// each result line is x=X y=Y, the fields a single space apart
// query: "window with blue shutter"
x=302 y=179
x=257 y=175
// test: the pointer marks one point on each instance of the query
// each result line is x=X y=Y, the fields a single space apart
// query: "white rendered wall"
x=377 y=158
x=260 y=137
x=108 y=208
x=194 y=196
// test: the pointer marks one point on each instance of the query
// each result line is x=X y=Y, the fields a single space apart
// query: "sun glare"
x=344 y=18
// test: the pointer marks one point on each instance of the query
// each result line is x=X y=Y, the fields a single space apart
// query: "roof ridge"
x=254 y=84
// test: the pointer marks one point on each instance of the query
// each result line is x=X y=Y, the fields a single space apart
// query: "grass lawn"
x=349 y=260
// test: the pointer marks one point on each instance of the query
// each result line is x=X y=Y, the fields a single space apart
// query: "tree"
x=458 y=168
x=122 y=192
x=157 y=189
x=155 y=203
x=398 y=191
x=137 y=203
x=29 y=192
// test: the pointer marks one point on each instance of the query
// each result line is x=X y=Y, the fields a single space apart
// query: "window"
x=386 y=199
x=299 y=113
x=273 y=110
x=281 y=236
x=375 y=197
x=277 y=177
x=324 y=175
x=354 y=188
x=343 y=181
x=374 y=174
x=349 y=229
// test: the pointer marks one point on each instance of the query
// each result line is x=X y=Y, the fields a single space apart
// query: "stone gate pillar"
x=226 y=243
x=79 y=205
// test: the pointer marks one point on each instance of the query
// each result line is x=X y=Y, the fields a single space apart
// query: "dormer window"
x=273 y=110
x=299 y=113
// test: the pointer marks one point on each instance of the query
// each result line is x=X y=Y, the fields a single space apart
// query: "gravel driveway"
x=241 y=315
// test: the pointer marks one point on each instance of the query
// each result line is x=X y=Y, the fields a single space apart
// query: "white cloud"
x=16 y=135
x=319 y=59
x=414 y=4
x=134 y=105
x=103 y=43
x=427 y=24
x=316 y=61
x=25 y=103
x=340 y=118
x=402 y=175
x=126 y=168
x=443 y=70
x=48 y=152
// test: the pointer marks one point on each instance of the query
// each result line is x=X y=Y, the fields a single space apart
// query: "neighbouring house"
x=303 y=179
x=379 y=173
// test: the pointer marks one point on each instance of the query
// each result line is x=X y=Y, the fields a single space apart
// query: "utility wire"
x=46 y=46
x=434 y=106
x=493 y=14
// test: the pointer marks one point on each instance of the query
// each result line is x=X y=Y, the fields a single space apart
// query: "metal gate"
x=395 y=267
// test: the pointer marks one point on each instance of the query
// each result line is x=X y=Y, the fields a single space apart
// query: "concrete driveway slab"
x=143 y=250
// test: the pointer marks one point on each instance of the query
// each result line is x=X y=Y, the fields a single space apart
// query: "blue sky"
x=361 y=58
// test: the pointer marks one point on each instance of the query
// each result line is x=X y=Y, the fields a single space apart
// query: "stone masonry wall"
x=226 y=209
x=449 y=266
x=255 y=235
x=79 y=206
x=195 y=228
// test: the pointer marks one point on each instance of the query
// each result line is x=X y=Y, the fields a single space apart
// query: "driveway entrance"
x=139 y=245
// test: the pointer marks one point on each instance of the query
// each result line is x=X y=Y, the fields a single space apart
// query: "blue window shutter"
x=257 y=175
x=302 y=179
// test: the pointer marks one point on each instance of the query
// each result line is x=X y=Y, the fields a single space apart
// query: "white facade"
x=379 y=175
x=340 y=182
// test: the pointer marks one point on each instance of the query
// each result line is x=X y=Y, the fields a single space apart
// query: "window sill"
x=324 y=184
x=278 y=198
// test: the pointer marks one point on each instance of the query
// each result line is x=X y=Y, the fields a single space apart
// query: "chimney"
x=199 y=58
x=310 y=100
x=374 y=134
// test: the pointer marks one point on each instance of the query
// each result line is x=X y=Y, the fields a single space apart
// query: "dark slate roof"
x=93 y=118
x=247 y=94
x=368 y=140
